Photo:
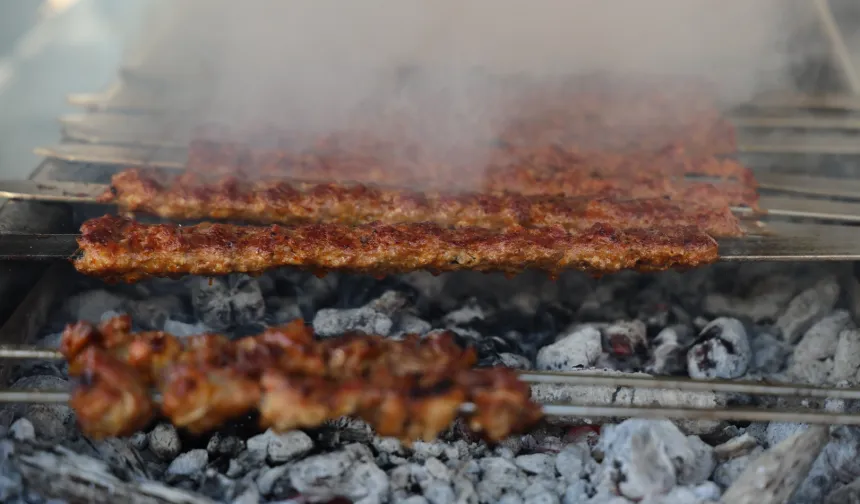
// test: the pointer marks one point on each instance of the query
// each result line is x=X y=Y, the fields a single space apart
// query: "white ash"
x=577 y=350
x=669 y=351
x=164 y=442
x=776 y=474
x=808 y=307
x=722 y=350
x=226 y=303
x=846 y=359
x=821 y=340
x=623 y=396
x=154 y=312
x=647 y=459
x=618 y=325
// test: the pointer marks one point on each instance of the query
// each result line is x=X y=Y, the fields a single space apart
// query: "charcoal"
x=647 y=459
x=537 y=463
x=54 y=422
x=91 y=305
x=499 y=476
x=722 y=350
x=164 y=442
x=775 y=475
x=577 y=350
x=283 y=310
x=819 y=342
x=280 y=448
x=769 y=353
x=846 y=360
x=225 y=303
x=246 y=300
x=331 y=322
x=210 y=298
x=190 y=463
x=807 y=308
x=669 y=352
x=728 y=471
x=153 y=313
x=22 y=430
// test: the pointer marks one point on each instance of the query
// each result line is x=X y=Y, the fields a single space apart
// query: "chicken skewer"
x=115 y=336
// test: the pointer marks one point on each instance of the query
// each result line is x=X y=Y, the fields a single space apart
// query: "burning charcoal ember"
x=669 y=352
x=807 y=308
x=769 y=353
x=649 y=458
x=92 y=304
x=164 y=442
x=225 y=303
x=846 y=359
x=722 y=350
x=626 y=338
x=775 y=475
x=577 y=350
x=820 y=341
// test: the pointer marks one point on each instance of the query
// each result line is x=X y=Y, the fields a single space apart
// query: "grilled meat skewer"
x=411 y=388
x=115 y=248
x=193 y=197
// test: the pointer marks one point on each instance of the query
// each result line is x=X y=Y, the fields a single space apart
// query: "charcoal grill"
x=807 y=217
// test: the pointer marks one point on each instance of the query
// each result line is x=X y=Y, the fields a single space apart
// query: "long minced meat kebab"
x=410 y=389
x=553 y=194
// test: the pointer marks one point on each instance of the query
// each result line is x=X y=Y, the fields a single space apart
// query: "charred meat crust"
x=120 y=249
x=410 y=389
x=195 y=197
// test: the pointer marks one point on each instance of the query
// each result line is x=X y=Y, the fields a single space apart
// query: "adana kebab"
x=117 y=249
x=193 y=197
x=366 y=161
x=411 y=388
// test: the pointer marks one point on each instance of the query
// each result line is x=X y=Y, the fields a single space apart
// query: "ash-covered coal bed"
x=779 y=322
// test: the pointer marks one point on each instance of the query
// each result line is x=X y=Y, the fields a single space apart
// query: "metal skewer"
x=570 y=410
x=23 y=352
x=772 y=206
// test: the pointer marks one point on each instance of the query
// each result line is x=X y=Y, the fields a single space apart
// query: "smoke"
x=314 y=65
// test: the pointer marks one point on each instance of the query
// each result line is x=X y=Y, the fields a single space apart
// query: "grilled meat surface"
x=369 y=162
x=193 y=197
x=120 y=249
x=410 y=389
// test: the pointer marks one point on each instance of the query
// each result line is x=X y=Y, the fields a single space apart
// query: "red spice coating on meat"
x=116 y=248
x=195 y=197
